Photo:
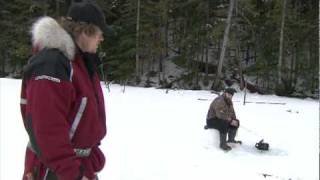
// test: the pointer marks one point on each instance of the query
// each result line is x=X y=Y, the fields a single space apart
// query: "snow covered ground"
x=154 y=135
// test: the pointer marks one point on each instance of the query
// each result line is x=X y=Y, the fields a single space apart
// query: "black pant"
x=221 y=125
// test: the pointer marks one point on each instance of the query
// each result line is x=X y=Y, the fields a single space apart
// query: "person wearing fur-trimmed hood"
x=62 y=103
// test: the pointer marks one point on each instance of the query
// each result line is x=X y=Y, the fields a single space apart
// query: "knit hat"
x=89 y=12
x=230 y=91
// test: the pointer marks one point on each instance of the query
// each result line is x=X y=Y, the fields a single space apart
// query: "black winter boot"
x=231 y=135
x=223 y=144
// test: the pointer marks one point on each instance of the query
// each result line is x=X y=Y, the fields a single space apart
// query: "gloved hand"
x=29 y=176
x=234 y=123
x=85 y=178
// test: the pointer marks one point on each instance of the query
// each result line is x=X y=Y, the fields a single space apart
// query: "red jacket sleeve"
x=48 y=126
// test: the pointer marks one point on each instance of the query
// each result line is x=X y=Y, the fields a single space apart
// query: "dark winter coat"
x=62 y=107
x=220 y=109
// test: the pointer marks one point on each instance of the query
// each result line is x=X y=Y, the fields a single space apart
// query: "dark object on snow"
x=262 y=145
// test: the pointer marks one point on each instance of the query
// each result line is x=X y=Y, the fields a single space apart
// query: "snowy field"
x=154 y=135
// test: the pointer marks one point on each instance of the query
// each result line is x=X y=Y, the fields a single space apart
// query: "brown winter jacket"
x=219 y=109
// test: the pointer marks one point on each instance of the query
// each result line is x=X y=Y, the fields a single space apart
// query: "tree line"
x=267 y=46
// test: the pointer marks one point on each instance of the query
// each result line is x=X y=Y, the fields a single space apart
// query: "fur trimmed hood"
x=47 y=33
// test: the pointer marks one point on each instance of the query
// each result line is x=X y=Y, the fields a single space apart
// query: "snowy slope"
x=154 y=135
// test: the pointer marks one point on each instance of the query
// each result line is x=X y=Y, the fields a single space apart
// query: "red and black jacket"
x=62 y=106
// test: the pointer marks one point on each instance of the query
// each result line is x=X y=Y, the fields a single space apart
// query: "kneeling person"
x=221 y=116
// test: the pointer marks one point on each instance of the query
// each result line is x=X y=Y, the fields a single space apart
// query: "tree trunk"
x=45 y=7
x=224 y=43
x=166 y=30
x=160 y=60
x=238 y=50
x=137 y=42
x=197 y=62
x=310 y=67
x=57 y=8
x=239 y=64
x=315 y=71
x=3 y=63
x=207 y=63
x=281 y=41
x=293 y=66
x=67 y=3
x=174 y=30
x=202 y=50
x=207 y=44
x=160 y=56
x=166 y=43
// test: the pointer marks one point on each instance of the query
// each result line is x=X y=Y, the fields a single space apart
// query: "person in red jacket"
x=62 y=103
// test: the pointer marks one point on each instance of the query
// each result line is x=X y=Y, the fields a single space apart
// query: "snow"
x=154 y=135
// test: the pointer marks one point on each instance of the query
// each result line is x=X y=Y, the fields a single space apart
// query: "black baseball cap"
x=89 y=12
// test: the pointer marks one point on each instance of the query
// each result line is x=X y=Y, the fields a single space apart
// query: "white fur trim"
x=47 y=33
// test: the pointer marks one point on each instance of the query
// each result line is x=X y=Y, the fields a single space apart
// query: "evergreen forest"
x=264 y=46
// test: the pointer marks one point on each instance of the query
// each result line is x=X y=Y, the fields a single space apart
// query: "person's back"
x=220 y=109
